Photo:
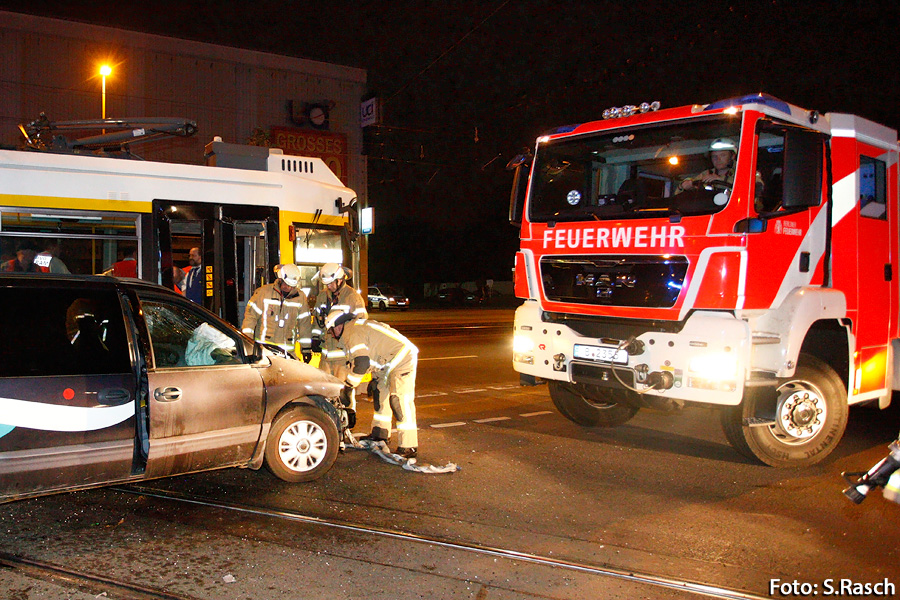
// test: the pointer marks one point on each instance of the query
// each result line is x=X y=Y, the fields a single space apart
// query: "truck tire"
x=302 y=444
x=806 y=416
x=574 y=405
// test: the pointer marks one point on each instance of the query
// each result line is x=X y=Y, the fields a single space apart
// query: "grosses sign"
x=330 y=147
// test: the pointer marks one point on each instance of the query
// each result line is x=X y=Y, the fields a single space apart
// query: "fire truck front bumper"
x=704 y=360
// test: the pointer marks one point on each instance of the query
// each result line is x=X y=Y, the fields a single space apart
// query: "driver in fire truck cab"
x=722 y=153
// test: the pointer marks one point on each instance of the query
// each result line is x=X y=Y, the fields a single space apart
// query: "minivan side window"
x=181 y=337
x=47 y=331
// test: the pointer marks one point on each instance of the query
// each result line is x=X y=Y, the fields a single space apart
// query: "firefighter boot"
x=406 y=452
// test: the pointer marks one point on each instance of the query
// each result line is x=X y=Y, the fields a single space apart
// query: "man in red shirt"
x=127 y=267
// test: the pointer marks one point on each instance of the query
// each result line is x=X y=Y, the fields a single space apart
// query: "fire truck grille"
x=644 y=281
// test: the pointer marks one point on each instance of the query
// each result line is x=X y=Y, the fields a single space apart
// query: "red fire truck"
x=739 y=254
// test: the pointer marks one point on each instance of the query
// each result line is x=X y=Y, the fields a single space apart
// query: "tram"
x=247 y=210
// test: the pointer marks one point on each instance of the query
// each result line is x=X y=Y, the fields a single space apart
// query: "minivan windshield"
x=633 y=173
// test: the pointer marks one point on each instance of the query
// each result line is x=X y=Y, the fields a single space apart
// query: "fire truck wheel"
x=588 y=410
x=797 y=424
x=302 y=444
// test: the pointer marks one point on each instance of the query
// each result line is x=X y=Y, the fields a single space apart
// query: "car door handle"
x=169 y=394
x=113 y=396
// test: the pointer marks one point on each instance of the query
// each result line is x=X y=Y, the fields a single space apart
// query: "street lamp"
x=105 y=70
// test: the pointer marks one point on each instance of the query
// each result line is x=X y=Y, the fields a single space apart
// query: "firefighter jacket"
x=272 y=318
x=374 y=346
x=347 y=300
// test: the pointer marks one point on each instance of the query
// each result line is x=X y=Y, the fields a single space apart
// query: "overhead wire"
x=446 y=52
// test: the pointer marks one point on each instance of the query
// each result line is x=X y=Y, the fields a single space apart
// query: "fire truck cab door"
x=875 y=270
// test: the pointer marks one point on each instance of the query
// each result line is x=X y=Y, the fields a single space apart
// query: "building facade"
x=304 y=107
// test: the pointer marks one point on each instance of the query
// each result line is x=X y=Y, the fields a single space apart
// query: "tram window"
x=185 y=235
x=61 y=332
x=315 y=247
x=84 y=243
x=252 y=259
x=59 y=224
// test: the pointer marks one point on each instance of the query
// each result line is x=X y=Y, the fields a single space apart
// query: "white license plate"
x=605 y=354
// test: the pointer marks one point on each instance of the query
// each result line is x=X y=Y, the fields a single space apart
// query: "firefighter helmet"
x=337 y=317
x=332 y=272
x=290 y=274
x=723 y=144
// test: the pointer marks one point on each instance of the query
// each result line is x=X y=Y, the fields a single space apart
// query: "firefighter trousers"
x=395 y=397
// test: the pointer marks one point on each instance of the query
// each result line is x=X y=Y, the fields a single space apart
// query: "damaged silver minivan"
x=105 y=380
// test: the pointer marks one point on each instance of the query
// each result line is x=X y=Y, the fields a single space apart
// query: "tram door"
x=239 y=246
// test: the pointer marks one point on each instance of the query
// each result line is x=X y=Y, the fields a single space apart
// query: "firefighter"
x=335 y=295
x=391 y=358
x=278 y=313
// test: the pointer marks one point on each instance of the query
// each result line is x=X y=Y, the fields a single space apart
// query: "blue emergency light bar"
x=763 y=99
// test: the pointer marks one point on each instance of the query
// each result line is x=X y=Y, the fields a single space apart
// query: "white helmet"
x=332 y=272
x=337 y=317
x=723 y=144
x=290 y=274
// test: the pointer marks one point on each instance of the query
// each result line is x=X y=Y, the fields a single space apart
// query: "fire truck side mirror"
x=804 y=152
x=517 y=196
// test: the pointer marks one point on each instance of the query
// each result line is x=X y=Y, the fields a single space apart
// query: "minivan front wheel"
x=302 y=444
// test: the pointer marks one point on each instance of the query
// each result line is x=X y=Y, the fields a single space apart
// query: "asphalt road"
x=631 y=512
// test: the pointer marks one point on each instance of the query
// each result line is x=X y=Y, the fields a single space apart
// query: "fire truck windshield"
x=638 y=172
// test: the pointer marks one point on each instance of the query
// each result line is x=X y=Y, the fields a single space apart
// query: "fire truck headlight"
x=523 y=347
x=523 y=344
x=721 y=366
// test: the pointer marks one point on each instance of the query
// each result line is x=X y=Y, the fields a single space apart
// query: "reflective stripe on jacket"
x=385 y=347
x=272 y=318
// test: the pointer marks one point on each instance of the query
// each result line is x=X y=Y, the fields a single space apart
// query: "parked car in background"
x=106 y=380
x=457 y=296
x=384 y=297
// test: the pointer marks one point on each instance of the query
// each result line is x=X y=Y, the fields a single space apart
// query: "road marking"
x=491 y=420
x=535 y=414
x=442 y=425
x=449 y=357
x=498 y=388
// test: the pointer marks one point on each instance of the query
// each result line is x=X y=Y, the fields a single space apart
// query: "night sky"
x=466 y=85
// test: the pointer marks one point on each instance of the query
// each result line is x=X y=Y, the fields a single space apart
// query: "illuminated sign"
x=366 y=220
x=330 y=147
x=614 y=237
x=368 y=112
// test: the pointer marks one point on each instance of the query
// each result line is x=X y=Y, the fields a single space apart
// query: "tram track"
x=698 y=589
x=88 y=583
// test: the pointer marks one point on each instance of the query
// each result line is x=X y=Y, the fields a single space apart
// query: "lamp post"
x=105 y=70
